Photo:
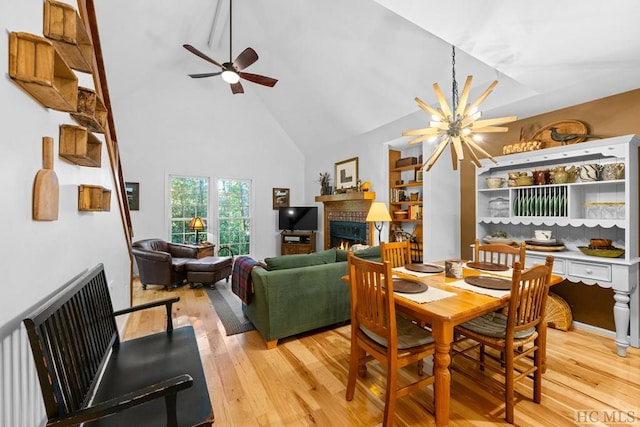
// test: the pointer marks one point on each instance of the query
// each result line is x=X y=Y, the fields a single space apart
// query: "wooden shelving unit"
x=91 y=113
x=80 y=146
x=36 y=66
x=93 y=198
x=63 y=26
x=400 y=200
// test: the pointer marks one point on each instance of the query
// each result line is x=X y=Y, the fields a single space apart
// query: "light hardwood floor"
x=302 y=381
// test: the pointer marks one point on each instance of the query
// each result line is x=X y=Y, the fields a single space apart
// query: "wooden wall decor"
x=36 y=66
x=93 y=198
x=63 y=26
x=91 y=113
x=45 y=187
x=80 y=146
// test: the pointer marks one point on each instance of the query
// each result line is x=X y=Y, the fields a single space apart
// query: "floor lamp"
x=378 y=213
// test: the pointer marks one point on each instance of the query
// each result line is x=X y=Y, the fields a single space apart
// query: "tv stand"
x=297 y=242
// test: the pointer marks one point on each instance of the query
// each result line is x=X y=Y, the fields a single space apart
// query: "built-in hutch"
x=575 y=211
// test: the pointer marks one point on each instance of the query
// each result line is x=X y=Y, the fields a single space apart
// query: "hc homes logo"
x=608 y=417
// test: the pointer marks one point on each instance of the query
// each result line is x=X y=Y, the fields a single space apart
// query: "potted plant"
x=325 y=180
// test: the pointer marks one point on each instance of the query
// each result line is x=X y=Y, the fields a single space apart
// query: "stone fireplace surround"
x=347 y=208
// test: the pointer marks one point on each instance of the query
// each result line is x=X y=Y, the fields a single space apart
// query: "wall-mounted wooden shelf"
x=63 y=26
x=79 y=146
x=91 y=113
x=36 y=66
x=93 y=198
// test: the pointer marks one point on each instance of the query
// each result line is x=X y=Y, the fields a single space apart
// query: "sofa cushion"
x=372 y=253
x=302 y=260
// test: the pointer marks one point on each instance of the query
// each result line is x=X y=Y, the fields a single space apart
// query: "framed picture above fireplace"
x=347 y=174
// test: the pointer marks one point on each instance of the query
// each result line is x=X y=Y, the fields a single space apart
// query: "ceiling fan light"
x=230 y=77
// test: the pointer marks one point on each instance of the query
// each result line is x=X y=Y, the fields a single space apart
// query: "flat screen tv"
x=298 y=218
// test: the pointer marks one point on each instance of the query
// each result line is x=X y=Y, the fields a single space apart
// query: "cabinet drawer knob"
x=588 y=271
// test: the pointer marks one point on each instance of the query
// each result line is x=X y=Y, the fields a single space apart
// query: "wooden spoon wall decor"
x=45 y=187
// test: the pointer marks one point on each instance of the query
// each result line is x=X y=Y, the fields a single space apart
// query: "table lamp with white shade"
x=378 y=213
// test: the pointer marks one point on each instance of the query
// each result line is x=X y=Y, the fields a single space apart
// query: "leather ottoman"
x=208 y=270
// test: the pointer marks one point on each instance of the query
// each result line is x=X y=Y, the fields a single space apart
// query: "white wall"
x=40 y=256
x=174 y=125
x=441 y=188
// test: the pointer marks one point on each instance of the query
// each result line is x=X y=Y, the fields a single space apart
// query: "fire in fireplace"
x=343 y=234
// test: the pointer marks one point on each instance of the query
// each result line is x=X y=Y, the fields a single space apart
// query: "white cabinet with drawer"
x=575 y=211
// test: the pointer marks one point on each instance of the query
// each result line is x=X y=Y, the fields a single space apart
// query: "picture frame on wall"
x=280 y=198
x=133 y=195
x=347 y=174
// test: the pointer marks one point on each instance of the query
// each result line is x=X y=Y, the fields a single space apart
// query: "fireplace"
x=343 y=234
x=345 y=219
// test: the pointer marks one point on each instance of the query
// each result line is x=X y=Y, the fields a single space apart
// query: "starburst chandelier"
x=457 y=125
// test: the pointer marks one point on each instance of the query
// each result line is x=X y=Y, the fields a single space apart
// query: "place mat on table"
x=506 y=273
x=489 y=282
x=487 y=266
x=424 y=268
x=461 y=284
x=430 y=295
x=407 y=286
x=404 y=270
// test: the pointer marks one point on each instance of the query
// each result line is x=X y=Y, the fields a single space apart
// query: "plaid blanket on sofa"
x=241 y=277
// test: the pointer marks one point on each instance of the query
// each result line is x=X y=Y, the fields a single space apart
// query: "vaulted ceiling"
x=346 y=67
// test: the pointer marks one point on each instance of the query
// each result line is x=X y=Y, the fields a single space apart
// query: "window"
x=234 y=215
x=189 y=199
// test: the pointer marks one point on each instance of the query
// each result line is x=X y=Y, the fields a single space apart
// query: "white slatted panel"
x=20 y=398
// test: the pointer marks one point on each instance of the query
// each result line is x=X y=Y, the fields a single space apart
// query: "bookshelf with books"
x=405 y=200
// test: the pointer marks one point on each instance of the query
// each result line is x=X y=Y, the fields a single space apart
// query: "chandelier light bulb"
x=230 y=77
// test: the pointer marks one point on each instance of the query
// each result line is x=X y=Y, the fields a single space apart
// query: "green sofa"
x=300 y=293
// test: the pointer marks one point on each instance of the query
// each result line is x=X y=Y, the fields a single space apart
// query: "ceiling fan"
x=232 y=71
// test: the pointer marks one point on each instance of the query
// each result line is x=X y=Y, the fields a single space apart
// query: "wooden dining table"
x=443 y=315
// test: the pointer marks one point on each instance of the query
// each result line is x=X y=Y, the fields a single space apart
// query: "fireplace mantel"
x=346 y=206
x=363 y=195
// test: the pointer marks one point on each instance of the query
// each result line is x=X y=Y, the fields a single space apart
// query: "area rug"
x=229 y=308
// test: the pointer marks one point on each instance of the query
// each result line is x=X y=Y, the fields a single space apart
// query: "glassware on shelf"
x=604 y=210
x=499 y=207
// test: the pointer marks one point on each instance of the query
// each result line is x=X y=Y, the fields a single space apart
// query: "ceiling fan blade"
x=261 y=80
x=200 y=54
x=236 y=88
x=201 y=75
x=246 y=58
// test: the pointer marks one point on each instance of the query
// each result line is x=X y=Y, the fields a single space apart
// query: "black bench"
x=88 y=375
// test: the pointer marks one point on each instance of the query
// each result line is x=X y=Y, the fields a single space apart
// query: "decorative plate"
x=408 y=286
x=607 y=253
x=536 y=242
x=487 y=266
x=564 y=126
x=505 y=240
x=489 y=282
x=545 y=248
x=424 y=268
x=542 y=241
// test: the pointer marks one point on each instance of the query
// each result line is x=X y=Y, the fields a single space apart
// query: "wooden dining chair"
x=499 y=253
x=376 y=332
x=516 y=336
x=397 y=253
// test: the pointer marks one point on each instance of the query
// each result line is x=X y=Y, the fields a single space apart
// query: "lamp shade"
x=378 y=212
x=196 y=224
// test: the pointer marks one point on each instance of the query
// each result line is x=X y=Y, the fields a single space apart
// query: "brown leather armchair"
x=161 y=262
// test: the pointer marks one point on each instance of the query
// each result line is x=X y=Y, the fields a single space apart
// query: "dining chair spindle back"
x=516 y=336
x=499 y=253
x=377 y=333
x=397 y=253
